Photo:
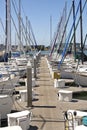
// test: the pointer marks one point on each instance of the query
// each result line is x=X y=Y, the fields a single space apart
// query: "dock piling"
x=35 y=67
x=29 y=85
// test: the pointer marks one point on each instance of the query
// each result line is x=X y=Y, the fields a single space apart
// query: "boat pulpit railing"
x=69 y=120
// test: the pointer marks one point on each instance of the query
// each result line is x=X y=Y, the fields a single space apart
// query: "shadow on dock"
x=33 y=128
x=45 y=106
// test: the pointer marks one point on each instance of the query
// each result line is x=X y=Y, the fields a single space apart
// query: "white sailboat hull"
x=80 y=79
x=7 y=85
x=66 y=74
x=6 y=103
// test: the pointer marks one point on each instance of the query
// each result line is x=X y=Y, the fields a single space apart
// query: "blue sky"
x=39 y=12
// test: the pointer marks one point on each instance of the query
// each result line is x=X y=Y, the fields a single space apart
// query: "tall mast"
x=19 y=24
x=65 y=19
x=26 y=31
x=81 y=28
x=74 y=31
x=50 y=30
x=8 y=27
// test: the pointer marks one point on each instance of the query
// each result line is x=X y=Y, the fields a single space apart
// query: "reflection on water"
x=80 y=95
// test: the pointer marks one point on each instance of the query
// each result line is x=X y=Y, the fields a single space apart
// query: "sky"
x=39 y=13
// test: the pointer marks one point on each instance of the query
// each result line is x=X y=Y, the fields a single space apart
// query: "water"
x=80 y=95
x=32 y=53
x=45 y=52
x=85 y=52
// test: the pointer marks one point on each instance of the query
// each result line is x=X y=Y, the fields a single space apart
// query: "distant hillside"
x=14 y=47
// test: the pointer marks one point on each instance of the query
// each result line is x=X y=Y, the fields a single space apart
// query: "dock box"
x=11 y=128
x=65 y=95
x=59 y=83
x=20 y=118
x=56 y=75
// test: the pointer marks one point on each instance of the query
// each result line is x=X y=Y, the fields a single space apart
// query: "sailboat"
x=8 y=77
x=6 y=82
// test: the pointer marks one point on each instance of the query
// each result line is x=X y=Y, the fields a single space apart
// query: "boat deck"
x=47 y=110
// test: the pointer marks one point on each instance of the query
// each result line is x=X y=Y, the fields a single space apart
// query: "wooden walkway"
x=47 y=110
x=45 y=107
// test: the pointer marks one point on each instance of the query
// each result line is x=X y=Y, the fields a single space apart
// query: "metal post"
x=35 y=67
x=29 y=85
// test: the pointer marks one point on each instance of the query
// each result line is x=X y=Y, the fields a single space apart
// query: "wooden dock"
x=47 y=110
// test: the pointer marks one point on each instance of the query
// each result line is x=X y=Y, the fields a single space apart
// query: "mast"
x=65 y=19
x=74 y=31
x=8 y=28
x=29 y=35
x=81 y=28
x=19 y=25
x=50 y=30
x=26 y=32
